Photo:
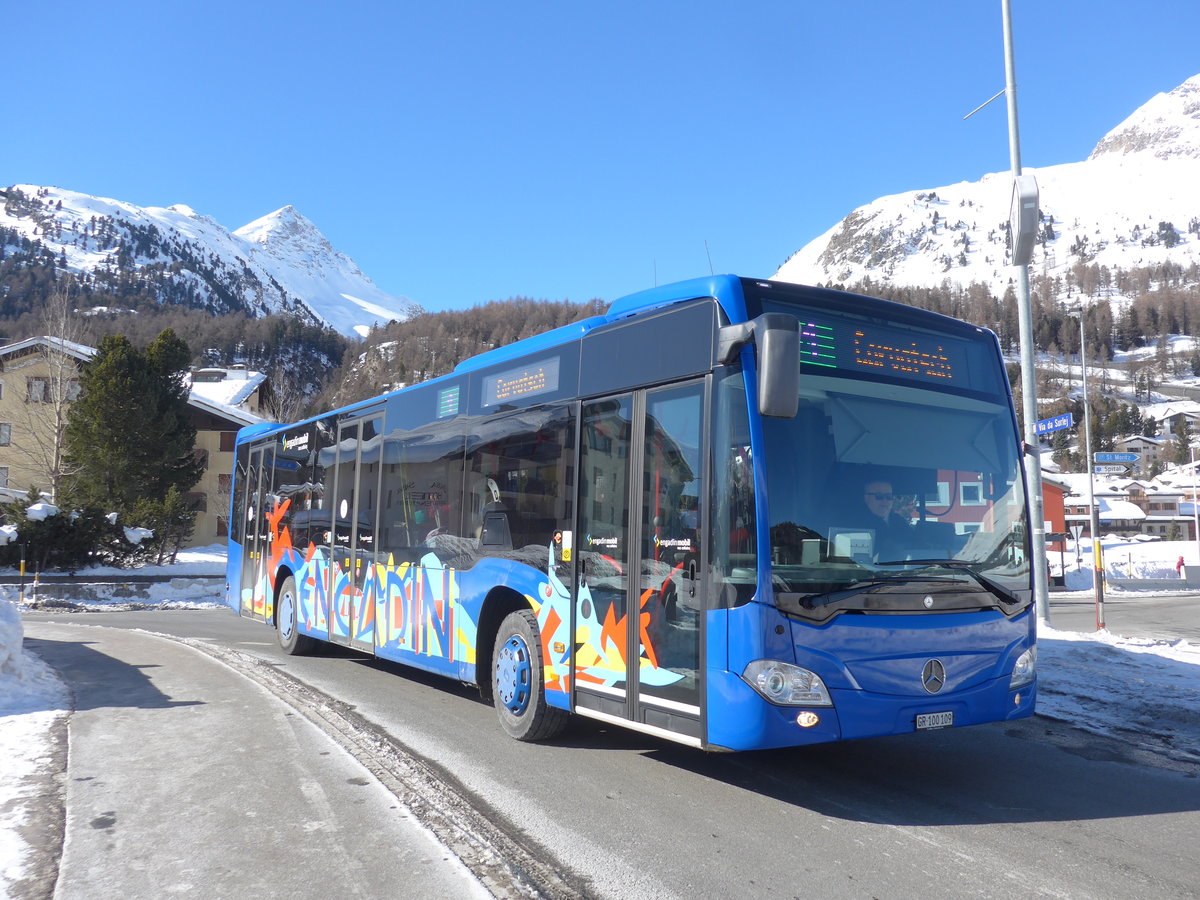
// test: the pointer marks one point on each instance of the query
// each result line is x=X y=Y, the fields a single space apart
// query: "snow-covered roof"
x=1142 y=439
x=79 y=351
x=1111 y=509
x=232 y=413
x=219 y=397
x=226 y=387
x=1160 y=412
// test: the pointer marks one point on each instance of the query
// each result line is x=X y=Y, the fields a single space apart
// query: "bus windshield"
x=894 y=496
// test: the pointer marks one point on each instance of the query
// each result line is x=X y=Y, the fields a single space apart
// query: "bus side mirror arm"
x=777 y=338
x=732 y=339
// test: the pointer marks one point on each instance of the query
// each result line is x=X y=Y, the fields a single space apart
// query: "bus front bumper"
x=740 y=719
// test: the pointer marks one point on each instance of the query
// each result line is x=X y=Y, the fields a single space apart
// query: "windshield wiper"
x=833 y=594
x=993 y=587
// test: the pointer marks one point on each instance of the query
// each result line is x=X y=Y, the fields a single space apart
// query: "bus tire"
x=518 y=681
x=287 y=628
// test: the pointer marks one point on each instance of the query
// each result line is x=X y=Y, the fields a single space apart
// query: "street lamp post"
x=1094 y=513
x=1023 y=233
x=1024 y=229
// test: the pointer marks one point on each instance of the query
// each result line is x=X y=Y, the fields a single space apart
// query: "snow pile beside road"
x=196 y=582
x=1123 y=559
x=1139 y=690
x=178 y=593
x=32 y=700
x=11 y=635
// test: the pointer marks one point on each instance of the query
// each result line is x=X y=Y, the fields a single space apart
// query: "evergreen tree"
x=1168 y=235
x=129 y=435
x=1181 y=449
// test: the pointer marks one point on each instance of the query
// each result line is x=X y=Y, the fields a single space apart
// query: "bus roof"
x=727 y=289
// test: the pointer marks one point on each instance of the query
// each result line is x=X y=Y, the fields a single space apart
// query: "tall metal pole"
x=1094 y=519
x=1033 y=463
x=1195 y=504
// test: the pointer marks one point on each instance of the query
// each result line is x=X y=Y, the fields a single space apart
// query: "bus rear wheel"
x=287 y=613
x=519 y=684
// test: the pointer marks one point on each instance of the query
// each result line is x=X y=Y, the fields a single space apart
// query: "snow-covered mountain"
x=280 y=263
x=1135 y=202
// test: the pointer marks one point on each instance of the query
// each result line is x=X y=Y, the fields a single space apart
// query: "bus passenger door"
x=638 y=605
x=354 y=514
x=257 y=548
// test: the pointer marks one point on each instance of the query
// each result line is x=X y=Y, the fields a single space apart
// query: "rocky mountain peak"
x=1166 y=126
x=1139 y=217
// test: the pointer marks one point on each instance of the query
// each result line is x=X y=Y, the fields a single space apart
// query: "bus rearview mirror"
x=777 y=339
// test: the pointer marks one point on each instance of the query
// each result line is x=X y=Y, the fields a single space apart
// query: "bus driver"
x=893 y=533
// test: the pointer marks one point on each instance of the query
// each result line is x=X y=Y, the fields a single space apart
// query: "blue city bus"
x=733 y=513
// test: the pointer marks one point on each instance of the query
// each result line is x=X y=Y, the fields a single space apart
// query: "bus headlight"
x=1025 y=670
x=785 y=684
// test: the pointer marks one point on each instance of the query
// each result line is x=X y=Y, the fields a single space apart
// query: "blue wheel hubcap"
x=514 y=675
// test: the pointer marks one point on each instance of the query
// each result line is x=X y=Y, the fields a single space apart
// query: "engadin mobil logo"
x=672 y=543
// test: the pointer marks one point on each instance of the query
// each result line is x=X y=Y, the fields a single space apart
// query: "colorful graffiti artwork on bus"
x=411 y=609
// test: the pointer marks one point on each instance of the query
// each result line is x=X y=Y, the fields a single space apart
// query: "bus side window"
x=733 y=546
x=421 y=496
x=520 y=481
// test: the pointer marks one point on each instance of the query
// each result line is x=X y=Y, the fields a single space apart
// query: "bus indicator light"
x=807 y=719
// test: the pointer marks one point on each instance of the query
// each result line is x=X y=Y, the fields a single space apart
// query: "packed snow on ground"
x=1125 y=561
x=32 y=699
x=195 y=582
x=1134 y=689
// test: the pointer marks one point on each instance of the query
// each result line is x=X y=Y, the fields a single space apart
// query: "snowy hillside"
x=280 y=263
x=1131 y=204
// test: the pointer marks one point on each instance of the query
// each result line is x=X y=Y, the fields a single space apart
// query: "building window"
x=971 y=493
x=940 y=497
x=3 y=476
x=227 y=441
x=5 y=434
x=37 y=390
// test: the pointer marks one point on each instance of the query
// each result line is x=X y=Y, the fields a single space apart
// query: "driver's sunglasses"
x=879 y=495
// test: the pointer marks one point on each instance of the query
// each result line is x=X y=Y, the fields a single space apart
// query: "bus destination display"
x=536 y=378
x=885 y=351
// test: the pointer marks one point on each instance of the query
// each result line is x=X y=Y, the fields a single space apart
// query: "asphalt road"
x=1032 y=809
x=1169 y=616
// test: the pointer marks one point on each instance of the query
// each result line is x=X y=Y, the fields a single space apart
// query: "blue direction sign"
x=1055 y=423
x=1115 y=457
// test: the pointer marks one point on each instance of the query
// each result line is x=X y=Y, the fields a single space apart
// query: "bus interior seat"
x=494 y=533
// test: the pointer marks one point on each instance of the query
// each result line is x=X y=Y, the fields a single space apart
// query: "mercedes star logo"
x=933 y=676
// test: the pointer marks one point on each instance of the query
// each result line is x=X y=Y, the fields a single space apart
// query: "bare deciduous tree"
x=38 y=435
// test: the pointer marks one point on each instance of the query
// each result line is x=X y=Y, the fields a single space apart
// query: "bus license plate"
x=928 y=721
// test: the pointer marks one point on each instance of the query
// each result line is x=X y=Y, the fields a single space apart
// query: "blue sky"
x=461 y=152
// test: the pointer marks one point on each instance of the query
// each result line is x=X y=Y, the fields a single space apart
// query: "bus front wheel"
x=518 y=681
x=287 y=627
